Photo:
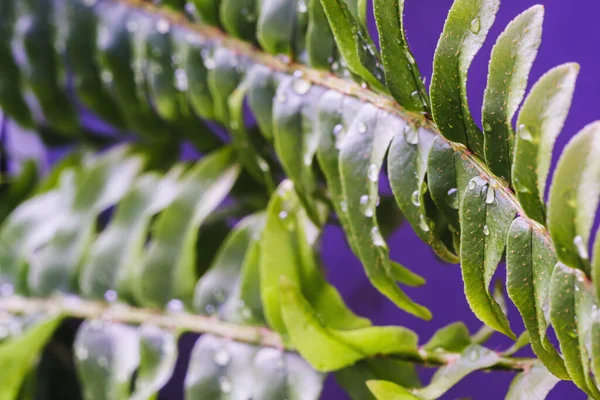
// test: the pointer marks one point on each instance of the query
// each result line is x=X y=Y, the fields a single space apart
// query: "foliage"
x=144 y=247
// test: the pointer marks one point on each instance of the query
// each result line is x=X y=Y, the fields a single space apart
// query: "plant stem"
x=345 y=86
x=72 y=306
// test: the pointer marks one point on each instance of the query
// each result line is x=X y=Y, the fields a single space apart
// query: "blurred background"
x=570 y=34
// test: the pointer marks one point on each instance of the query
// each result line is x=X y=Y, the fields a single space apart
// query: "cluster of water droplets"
x=581 y=247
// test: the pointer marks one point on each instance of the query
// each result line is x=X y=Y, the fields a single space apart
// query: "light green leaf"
x=354 y=43
x=362 y=154
x=473 y=358
x=529 y=264
x=510 y=64
x=384 y=390
x=486 y=215
x=465 y=30
x=286 y=251
x=168 y=270
x=540 y=121
x=402 y=75
x=574 y=198
x=20 y=352
x=329 y=349
x=453 y=338
x=534 y=383
x=353 y=378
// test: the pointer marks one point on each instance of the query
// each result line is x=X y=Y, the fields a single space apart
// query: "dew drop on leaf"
x=524 y=133
x=581 y=247
x=423 y=223
x=175 y=306
x=475 y=25
x=472 y=185
x=225 y=384
x=487 y=127
x=110 y=296
x=344 y=206
x=490 y=195
x=163 y=26
x=373 y=173
x=376 y=237
x=283 y=214
x=222 y=357
x=411 y=136
x=301 y=86
x=415 y=198
x=362 y=127
x=486 y=230
x=452 y=198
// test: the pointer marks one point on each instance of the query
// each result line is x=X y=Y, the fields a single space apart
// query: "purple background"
x=570 y=34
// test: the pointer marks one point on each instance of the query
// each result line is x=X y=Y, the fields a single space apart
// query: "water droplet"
x=263 y=165
x=282 y=97
x=411 y=135
x=337 y=129
x=131 y=26
x=473 y=356
x=6 y=289
x=163 y=26
x=335 y=66
x=452 y=199
x=110 y=296
x=486 y=230
x=308 y=159
x=222 y=357
x=175 y=306
x=81 y=353
x=219 y=294
x=283 y=214
x=490 y=195
x=225 y=384
x=362 y=127
x=344 y=206
x=415 y=198
x=475 y=25
x=524 y=133
x=301 y=86
x=377 y=238
x=581 y=247
x=106 y=76
x=373 y=173
x=302 y=8
x=369 y=212
x=364 y=199
x=487 y=127
x=210 y=309
x=410 y=57
x=423 y=223
x=181 y=80
x=472 y=185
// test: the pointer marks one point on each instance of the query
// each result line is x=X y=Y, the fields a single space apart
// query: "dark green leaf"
x=402 y=75
x=529 y=264
x=486 y=215
x=540 y=121
x=512 y=58
x=466 y=28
